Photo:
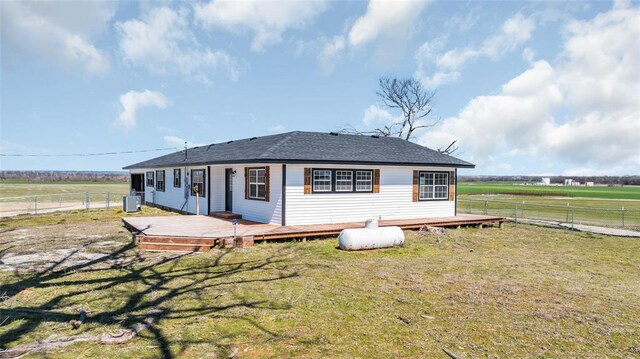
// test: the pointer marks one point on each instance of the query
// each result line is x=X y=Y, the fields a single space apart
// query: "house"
x=300 y=178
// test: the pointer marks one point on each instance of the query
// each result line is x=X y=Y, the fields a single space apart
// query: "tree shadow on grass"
x=137 y=286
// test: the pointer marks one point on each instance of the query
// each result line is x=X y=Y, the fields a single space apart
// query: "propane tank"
x=354 y=239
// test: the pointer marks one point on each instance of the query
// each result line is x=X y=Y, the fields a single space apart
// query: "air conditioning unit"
x=131 y=203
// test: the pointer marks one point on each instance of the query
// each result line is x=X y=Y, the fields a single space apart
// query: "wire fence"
x=10 y=206
x=566 y=215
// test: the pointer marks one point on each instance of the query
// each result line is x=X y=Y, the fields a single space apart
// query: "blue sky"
x=524 y=87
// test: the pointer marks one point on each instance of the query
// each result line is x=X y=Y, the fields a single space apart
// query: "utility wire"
x=85 y=154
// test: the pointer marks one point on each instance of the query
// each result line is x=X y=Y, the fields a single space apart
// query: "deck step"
x=175 y=244
x=177 y=240
x=173 y=248
x=226 y=215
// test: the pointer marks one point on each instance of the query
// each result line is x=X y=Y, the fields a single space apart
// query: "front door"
x=228 y=193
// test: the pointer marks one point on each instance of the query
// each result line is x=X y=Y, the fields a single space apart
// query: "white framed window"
x=197 y=182
x=160 y=181
x=177 y=177
x=150 y=180
x=257 y=183
x=434 y=186
x=338 y=180
x=364 y=181
x=344 y=181
x=322 y=180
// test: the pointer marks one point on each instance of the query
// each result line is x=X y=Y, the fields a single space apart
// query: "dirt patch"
x=60 y=258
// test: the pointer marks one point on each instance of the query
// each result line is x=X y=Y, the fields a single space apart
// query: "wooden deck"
x=200 y=233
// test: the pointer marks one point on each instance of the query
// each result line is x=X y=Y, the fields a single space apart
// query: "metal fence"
x=568 y=216
x=56 y=202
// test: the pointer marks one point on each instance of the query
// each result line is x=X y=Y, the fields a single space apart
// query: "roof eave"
x=298 y=161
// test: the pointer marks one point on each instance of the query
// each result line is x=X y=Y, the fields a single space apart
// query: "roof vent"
x=211 y=145
x=375 y=136
x=252 y=138
x=229 y=142
x=333 y=133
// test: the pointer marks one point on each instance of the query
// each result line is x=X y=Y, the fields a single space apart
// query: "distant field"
x=27 y=197
x=557 y=191
x=14 y=188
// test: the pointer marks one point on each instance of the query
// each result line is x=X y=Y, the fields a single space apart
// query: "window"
x=342 y=180
x=364 y=181
x=150 y=179
x=257 y=183
x=177 y=177
x=434 y=186
x=321 y=180
x=160 y=181
x=197 y=182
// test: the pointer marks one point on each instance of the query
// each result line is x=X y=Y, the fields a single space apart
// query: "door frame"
x=228 y=189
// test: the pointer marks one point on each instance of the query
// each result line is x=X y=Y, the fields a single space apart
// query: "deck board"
x=209 y=227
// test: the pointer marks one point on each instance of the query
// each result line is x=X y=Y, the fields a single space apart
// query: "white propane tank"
x=370 y=237
x=371 y=224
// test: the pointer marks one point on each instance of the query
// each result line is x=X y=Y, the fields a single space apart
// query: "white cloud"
x=179 y=142
x=456 y=58
x=331 y=53
x=385 y=18
x=268 y=20
x=162 y=42
x=386 y=22
x=378 y=116
x=528 y=54
x=60 y=31
x=463 y=23
x=277 y=128
x=594 y=88
x=514 y=32
x=134 y=100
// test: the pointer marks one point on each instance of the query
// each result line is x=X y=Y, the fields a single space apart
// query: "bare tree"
x=413 y=101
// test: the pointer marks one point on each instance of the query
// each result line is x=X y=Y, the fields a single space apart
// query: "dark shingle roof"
x=308 y=147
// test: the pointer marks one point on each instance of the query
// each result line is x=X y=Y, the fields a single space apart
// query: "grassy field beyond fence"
x=31 y=197
x=514 y=188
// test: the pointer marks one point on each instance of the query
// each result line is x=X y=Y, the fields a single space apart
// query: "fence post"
x=107 y=199
x=35 y=200
x=622 y=217
x=469 y=207
x=516 y=214
x=86 y=200
x=572 y=217
x=485 y=208
x=59 y=202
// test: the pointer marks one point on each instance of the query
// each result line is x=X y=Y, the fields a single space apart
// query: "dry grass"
x=516 y=292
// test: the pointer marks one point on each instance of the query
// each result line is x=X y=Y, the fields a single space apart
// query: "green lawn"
x=517 y=292
x=627 y=192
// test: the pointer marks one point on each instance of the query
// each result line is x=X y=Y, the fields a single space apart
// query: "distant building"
x=568 y=182
x=590 y=184
x=546 y=181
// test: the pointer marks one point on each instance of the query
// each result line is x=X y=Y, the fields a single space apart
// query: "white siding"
x=255 y=210
x=174 y=197
x=393 y=202
x=259 y=211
